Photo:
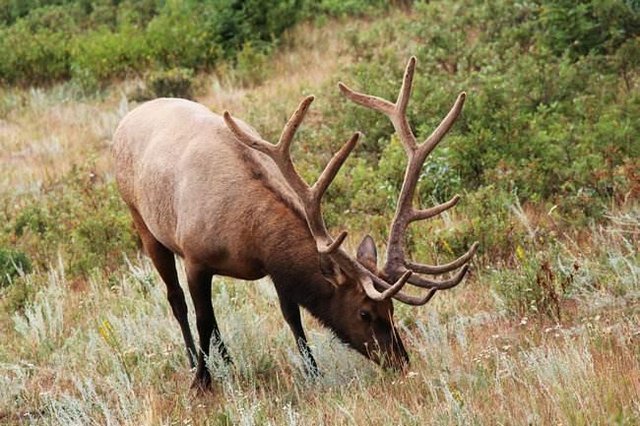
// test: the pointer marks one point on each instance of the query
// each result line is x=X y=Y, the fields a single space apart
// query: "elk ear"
x=331 y=271
x=367 y=254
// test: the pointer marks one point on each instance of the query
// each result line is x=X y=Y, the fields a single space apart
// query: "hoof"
x=201 y=384
x=311 y=370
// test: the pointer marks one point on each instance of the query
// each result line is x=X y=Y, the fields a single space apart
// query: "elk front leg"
x=291 y=313
x=200 y=288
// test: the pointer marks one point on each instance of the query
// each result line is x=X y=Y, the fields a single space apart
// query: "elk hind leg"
x=164 y=261
x=199 y=278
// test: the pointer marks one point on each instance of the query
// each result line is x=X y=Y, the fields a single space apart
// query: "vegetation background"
x=546 y=155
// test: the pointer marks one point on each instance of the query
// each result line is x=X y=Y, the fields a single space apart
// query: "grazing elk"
x=210 y=190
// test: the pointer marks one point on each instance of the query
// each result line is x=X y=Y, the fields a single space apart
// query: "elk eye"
x=365 y=316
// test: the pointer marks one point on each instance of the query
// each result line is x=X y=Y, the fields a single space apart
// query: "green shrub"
x=536 y=287
x=32 y=58
x=78 y=216
x=580 y=28
x=176 y=83
x=232 y=23
x=12 y=263
x=252 y=65
x=348 y=7
x=179 y=37
x=102 y=55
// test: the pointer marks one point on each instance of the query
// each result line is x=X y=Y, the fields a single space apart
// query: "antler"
x=310 y=198
x=396 y=264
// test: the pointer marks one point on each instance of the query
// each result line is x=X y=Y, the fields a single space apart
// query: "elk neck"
x=292 y=261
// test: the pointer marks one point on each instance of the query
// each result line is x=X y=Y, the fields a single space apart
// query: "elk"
x=209 y=189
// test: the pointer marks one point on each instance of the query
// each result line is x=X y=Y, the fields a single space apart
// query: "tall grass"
x=114 y=355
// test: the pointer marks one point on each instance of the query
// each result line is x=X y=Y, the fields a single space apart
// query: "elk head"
x=361 y=308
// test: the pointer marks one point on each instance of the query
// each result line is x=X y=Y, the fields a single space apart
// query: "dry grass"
x=48 y=134
x=113 y=355
x=109 y=352
x=311 y=56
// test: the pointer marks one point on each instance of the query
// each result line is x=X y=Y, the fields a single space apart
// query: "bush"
x=95 y=42
x=580 y=28
x=535 y=288
x=176 y=83
x=102 y=55
x=252 y=65
x=179 y=37
x=12 y=263
x=79 y=216
x=233 y=23
x=33 y=57
x=543 y=123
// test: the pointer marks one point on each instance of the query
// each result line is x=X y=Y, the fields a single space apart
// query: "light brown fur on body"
x=187 y=153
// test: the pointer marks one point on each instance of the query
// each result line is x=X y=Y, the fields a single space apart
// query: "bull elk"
x=209 y=189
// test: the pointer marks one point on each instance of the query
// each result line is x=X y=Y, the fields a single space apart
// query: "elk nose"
x=396 y=359
x=401 y=357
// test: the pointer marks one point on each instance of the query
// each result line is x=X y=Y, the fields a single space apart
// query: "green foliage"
x=348 y=7
x=543 y=120
x=95 y=42
x=176 y=83
x=33 y=56
x=180 y=37
x=535 y=288
x=233 y=23
x=101 y=55
x=580 y=28
x=79 y=216
x=12 y=263
x=173 y=83
x=252 y=65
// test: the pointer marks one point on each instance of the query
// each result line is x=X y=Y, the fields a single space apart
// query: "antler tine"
x=433 y=211
x=405 y=211
x=413 y=300
x=331 y=248
x=440 y=269
x=397 y=112
x=368 y=101
x=248 y=139
x=440 y=285
x=332 y=168
x=399 y=120
x=391 y=291
x=312 y=204
x=294 y=122
x=444 y=127
x=407 y=85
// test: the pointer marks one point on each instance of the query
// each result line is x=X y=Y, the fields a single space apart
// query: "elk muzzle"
x=389 y=354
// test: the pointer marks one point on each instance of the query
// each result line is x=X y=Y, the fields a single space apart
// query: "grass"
x=545 y=331
x=113 y=355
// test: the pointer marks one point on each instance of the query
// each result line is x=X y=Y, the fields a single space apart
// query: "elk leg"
x=291 y=313
x=165 y=263
x=200 y=288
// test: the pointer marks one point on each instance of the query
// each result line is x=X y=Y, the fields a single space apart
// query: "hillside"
x=545 y=155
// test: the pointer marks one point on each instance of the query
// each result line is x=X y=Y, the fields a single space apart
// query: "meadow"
x=546 y=157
